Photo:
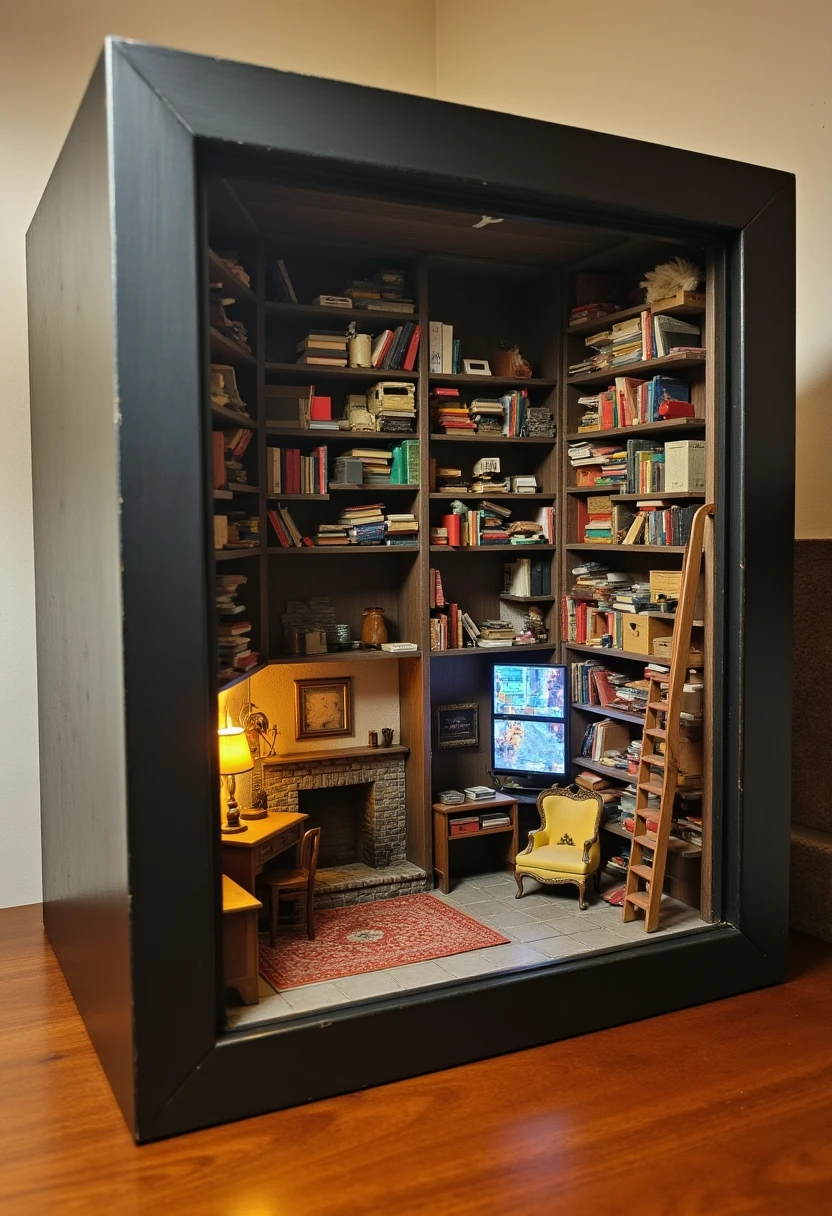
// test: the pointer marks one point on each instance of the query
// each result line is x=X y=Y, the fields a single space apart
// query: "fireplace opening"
x=343 y=814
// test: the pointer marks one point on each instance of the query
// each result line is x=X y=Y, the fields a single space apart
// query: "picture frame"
x=476 y=367
x=456 y=725
x=323 y=708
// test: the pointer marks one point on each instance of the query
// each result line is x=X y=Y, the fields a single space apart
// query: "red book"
x=412 y=350
x=218 y=450
x=453 y=626
x=321 y=409
x=279 y=529
x=296 y=470
x=452 y=523
x=388 y=342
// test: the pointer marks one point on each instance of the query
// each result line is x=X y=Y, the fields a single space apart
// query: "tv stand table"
x=443 y=816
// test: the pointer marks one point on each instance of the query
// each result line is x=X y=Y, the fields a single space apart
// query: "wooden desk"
x=443 y=814
x=240 y=954
x=245 y=853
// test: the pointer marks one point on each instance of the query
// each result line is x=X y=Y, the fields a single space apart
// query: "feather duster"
x=670 y=277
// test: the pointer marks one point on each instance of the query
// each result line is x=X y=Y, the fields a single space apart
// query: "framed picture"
x=476 y=367
x=456 y=725
x=323 y=707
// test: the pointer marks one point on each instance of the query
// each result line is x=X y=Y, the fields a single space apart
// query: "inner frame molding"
x=146 y=971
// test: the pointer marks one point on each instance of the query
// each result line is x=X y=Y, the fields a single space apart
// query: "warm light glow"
x=235 y=755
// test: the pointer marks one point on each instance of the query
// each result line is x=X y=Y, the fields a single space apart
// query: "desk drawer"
x=278 y=844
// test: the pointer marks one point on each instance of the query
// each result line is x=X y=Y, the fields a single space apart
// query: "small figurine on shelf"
x=508 y=363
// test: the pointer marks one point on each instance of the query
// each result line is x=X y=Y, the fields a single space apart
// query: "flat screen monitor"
x=529 y=729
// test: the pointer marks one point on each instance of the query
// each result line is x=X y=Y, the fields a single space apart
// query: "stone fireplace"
x=357 y=798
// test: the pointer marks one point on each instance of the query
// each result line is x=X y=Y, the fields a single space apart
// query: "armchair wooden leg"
x=274 y=902
x=518 y=878
x=581 y=896
x=310 y=913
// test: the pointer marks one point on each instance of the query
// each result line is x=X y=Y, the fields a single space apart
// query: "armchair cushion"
x=563 y=858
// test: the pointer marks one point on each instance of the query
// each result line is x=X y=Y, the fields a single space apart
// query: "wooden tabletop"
x=236 y=898
x=729 y=1111
x=262 y=829
x=485 y=804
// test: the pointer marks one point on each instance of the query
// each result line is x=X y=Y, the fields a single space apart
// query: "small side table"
x=444 y=815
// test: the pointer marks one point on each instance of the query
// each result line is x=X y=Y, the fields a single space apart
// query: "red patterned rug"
x=371 y=937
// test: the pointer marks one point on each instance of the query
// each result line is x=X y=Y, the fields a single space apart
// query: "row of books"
x=632 y=402
x=451 y=628
x=508 y=415
x=224 y=392
x=290 y=471
x=488 y=524
x=236 y=530
x=398 y=466
x=234 y=650
x=604 y=522
x=228 y=449
x=594 y=684
x=608 y=742
x=234 y=330
x=528 y=577
x=486 y=477
x=397 y=349
x=445 y=352
x=638 y=340
x=640 y=466
x=387 y=291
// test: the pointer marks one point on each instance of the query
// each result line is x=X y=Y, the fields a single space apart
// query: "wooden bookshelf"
x=609 y=711
x=232 y=284
x=685 y=304
x=610 y=652
x=486 y=300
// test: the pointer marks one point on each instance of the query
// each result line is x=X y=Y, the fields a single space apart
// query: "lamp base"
x=254 y=812
x=234 y=827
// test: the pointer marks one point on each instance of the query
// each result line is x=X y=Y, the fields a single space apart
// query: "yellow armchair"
x=565 y=847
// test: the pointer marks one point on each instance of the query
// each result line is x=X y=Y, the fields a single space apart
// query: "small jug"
x=373 y=629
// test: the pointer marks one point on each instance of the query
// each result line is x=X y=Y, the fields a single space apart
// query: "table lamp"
x=235 y=757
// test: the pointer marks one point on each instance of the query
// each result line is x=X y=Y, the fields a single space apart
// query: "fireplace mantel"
x=336 y=753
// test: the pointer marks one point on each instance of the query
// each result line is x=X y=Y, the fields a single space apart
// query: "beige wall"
x=753 y=86
x=47 y=51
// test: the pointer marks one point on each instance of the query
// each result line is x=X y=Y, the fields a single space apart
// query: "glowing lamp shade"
x=235 y=754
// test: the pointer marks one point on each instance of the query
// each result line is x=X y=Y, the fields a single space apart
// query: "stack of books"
x=364 y=523
x=234 y=331
x=598 y=465
x=402 y=529
x=448 y=477
x=478 y=793
x=590 y=312
x=232 y=262
x=494 y=819
x=323 y=348
x=289 y=471
x=233 y=631
x=464 y=825
x=448 y=414
x=224 y=390
x=496 y=632
x=626 y=342
x=487 y=477
x=488 y=415
x=375 y=466
x=598 y=355
x=598 y=528
x=524 y=483
x=229 y=448
x=387 y=291
x=450 y=797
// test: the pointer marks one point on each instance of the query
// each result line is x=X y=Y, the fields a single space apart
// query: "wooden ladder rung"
x=645 y=872
x=646 y=842
x=662 y=705
x=640 y=898
x=652 y=759
x=650 y=787
x=655 y=732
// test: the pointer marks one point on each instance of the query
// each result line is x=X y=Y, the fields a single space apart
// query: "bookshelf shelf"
x=218 y=272
x=468 y=652
x=343 y=656
x=686 y=304
x=489 y=495
x=609 y=653
x=223 y=350
x=641 y=428
x=227 y=555
x=298 y=497
x=519 y=549
x=312 y=372
x=365 y=321
x=342 y=550
x=683 y=847
x=668 y=363
x=360 y=439
x=673 y=494
x=527 y=599
x=242 y=675
x=616 y=774
x=239 y=487
x=484 y=382
x=223 y=417
x=476 y=835
x=343 y=488
x=608 y=711
x=629 y=548
x=473 y=437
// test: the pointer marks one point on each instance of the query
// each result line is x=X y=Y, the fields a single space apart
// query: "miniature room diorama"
x=464 y=480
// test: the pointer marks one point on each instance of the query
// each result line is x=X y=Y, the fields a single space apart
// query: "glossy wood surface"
x=751 y=1118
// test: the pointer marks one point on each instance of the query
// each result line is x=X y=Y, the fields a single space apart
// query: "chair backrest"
x=574 y=811
x=310 y=847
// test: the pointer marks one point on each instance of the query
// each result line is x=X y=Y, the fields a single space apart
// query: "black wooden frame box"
x=123 y=565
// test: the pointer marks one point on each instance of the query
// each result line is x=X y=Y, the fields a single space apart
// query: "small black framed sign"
x=456 y=725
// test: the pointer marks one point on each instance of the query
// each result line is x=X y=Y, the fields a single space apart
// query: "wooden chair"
x=294 y=884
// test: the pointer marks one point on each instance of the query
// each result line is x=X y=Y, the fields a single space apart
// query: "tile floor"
x=545 y=924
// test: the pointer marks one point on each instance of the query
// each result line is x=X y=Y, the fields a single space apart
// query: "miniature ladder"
x=657 y=772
